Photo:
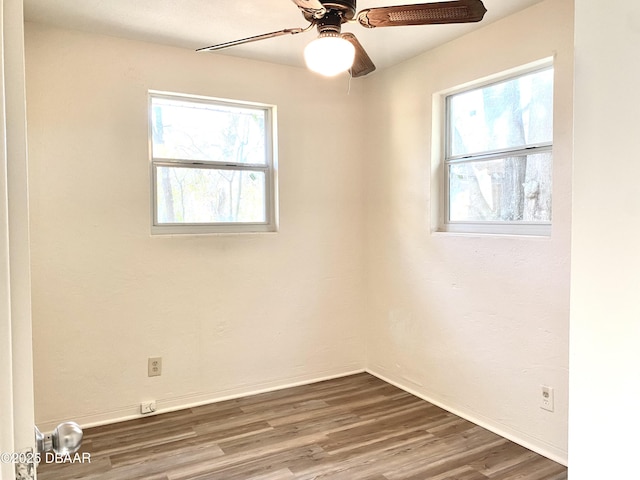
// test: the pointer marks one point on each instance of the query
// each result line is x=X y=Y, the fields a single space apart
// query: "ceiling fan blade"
x=458 y=11
x=362 y=64
x=312 y=7
x=279 y=33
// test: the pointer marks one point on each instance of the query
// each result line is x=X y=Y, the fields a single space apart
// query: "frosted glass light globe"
x=329 y=55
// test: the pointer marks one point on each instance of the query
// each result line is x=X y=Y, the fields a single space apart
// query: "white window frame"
x=269 y=169
x=442 y=150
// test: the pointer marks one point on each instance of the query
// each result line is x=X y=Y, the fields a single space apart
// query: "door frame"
x=16 y=359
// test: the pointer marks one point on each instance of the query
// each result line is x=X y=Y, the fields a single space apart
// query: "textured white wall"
x=228 y=314
x=474 y=323
x=605 y=280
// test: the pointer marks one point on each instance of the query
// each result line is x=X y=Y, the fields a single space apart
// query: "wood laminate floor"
x=352 y=428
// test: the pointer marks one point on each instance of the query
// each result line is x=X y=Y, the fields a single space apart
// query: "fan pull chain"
x=349 y=83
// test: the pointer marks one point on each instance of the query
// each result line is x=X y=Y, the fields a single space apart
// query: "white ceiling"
x=198 y=23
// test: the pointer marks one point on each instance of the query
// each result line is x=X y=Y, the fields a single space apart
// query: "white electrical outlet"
x=546 y=398
x=154 y=366
x=148 y=407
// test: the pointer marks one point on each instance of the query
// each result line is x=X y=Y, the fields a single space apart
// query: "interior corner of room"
x=350 y=283
x=356 y=279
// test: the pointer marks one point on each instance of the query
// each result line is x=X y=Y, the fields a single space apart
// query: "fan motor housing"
x=346 y=7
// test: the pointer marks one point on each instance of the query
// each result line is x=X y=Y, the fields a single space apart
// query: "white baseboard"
x=534 y=444
x=131 y=412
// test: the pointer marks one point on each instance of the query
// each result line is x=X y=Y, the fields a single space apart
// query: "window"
x=498 y=156
x=213 y=167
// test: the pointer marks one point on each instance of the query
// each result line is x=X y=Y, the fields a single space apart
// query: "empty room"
x=231 y=264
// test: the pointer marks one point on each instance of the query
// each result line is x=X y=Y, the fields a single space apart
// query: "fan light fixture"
x=329 y=54
x=333 y=53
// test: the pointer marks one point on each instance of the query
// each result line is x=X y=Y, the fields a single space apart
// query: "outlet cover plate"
x=148 y=407
x=546 y=398
x=154 y=366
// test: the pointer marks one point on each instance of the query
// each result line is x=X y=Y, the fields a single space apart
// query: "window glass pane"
x=504 y=115
x=203 y=131
x=204 y=195
x=512 y=189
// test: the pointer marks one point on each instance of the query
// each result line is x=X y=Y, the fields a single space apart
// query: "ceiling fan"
x=334 y=52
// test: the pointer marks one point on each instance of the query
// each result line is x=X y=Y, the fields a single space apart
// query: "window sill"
x=497 y=229
x=180 y=230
